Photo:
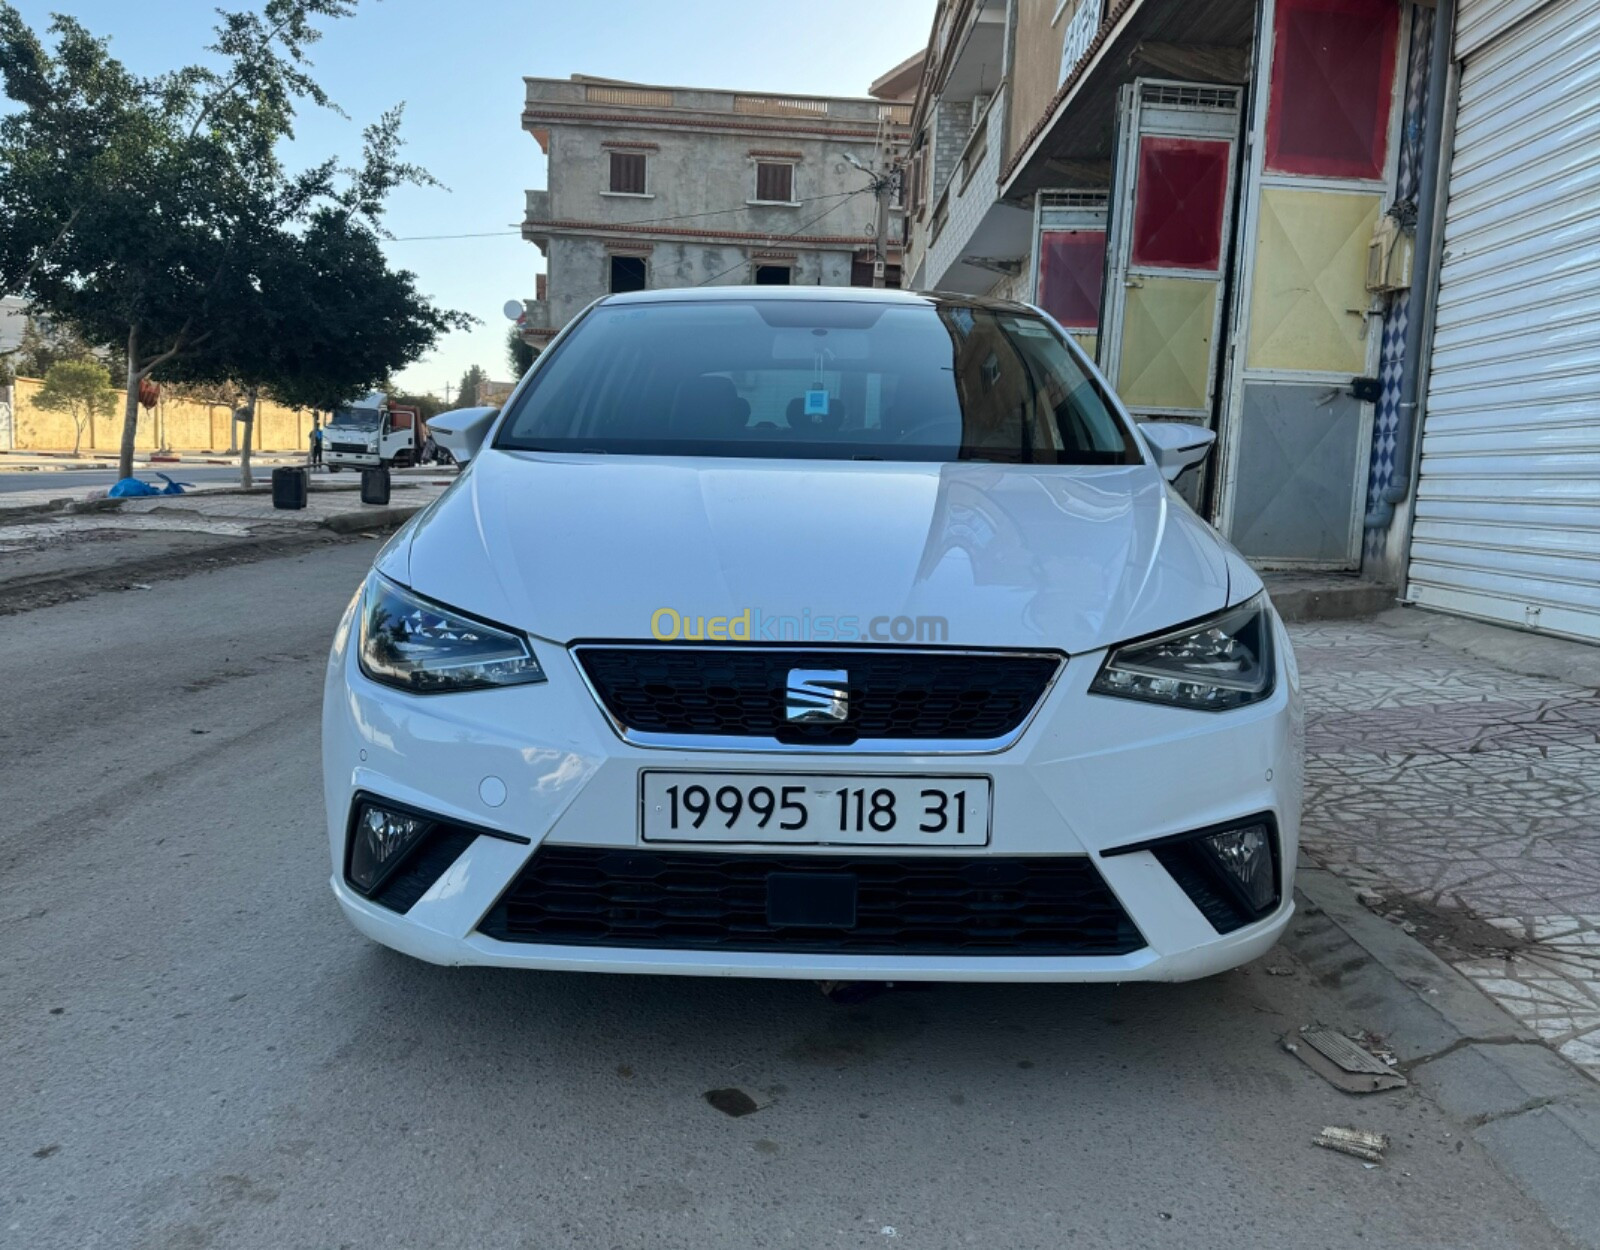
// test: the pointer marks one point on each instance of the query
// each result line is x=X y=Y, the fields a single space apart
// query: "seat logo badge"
x=817 y=695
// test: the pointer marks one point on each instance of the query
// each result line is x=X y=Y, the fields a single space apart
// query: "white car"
x=836 y=634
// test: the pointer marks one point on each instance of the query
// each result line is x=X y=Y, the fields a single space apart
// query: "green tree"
x=156 y=212
x=520 y=353
x=82 y=390
x=326 y=319
x=471 y=380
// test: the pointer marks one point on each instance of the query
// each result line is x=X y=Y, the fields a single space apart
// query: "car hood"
x=590 y=547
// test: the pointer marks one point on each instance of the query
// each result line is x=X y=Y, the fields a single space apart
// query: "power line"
x=648 y=221
x=798 y=230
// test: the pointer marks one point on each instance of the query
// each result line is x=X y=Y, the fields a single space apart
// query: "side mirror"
x=462 y=432
x=1176 y=445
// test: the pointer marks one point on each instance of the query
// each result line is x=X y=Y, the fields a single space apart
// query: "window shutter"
x=775 y=182
x=627 y=172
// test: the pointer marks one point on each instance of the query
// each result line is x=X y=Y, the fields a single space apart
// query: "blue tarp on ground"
x=132 y=487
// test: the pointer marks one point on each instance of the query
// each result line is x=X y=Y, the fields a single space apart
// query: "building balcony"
x=974 y=240
x=535 y=315
x=978 y=60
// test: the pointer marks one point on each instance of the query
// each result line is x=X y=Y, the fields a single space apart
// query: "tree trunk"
x=249 y=424
x=77 y=431
x=130 y=408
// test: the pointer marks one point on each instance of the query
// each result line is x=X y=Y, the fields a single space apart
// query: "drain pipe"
x=1405 y=434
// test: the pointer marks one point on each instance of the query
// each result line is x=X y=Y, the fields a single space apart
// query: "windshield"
x=355 y=418
x=824 y=380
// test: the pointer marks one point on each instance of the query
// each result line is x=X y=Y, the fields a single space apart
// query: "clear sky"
x=458 y=66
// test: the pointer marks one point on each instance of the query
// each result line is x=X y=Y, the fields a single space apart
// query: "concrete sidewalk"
x=1453 y=778
x=53 y=549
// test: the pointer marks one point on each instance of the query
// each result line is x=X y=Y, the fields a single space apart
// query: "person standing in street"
x=316 y=446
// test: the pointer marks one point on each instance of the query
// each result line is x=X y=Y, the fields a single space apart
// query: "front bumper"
x=1091 y=774
x=352 y=460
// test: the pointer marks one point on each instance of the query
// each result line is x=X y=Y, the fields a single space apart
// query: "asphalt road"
x=68 y=480
x=195 y=1051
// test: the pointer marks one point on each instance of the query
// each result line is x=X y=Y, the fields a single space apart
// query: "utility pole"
x=884 y=186
x=885 y=182
x=880 y=253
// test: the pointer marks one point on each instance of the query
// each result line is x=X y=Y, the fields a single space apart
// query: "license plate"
x=817 y=808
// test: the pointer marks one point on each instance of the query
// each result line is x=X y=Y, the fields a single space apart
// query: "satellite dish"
x=513 y=310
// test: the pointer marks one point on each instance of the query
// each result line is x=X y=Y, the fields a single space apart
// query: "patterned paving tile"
x=1468 y=799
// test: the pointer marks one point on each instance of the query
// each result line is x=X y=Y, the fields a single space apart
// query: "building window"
x=774 y=182
x=627 y=173
x=627 y=273
x=773 y=275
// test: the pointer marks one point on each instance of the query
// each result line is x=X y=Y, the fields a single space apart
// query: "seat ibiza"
x=835 y=634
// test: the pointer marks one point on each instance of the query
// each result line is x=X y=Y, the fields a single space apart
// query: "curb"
x=1536 y=1116
x=64 y=504
x=1303 y=604
x=27 y=593
x=378 y=518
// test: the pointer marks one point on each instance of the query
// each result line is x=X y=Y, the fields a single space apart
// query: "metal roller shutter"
x=1508 y=497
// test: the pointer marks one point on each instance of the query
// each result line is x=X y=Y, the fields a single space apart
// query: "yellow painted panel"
x=1090 y=344
x=1311 y=271
x=1166 y=343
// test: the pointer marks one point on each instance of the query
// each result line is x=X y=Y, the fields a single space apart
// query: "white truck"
x=372 y=432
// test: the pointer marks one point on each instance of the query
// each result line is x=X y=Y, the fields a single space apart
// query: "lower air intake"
x=855 y=904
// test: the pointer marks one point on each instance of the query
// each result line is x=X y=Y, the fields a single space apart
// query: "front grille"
x=670 y=900
x=353 y=449
x=893 y=694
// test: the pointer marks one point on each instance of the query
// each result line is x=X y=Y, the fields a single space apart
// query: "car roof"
x=815 y=295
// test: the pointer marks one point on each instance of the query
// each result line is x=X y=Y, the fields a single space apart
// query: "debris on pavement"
x=1343 y=1063
x=849 y=993
x=1358 y=1142
x=732 y=1101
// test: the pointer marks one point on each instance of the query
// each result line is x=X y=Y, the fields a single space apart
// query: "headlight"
x=1221 y=663
x=416 y=645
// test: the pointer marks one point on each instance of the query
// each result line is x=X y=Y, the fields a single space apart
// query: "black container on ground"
x=375 y=485
x=289 y=487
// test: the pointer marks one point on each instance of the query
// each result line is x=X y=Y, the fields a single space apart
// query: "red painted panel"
x=1072 y=276
x=1333 y=65
x=1181 y=199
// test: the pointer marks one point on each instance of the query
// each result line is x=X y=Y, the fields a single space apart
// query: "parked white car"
x=836 y=634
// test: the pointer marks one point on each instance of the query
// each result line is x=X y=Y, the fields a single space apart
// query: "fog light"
x=1245 y=857
x=380 y=841
x=1229 y=872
